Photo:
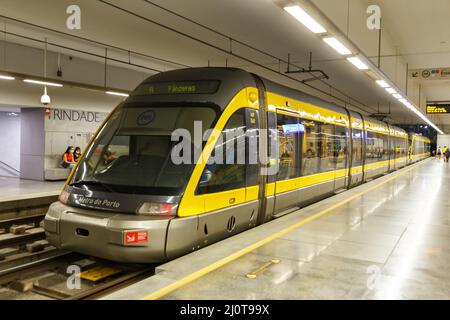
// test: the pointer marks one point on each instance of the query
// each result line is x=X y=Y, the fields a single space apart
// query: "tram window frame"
x=393 y=147
x=272 y=143
x=309 y=146
x=207 y=187
x=402 y=145
x=327 y=153
x=357 y=162
x=295 y=169
x=385 y=153
x=372 y=144
x=376 y=148
x=252 y=169
x=338 y=146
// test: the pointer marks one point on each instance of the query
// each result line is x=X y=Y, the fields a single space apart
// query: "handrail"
x=9 y=167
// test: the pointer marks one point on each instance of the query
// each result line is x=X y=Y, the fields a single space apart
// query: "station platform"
x=386 y=239
x=14 y=189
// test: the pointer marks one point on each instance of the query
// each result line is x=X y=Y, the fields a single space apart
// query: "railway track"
x=22 y=242
x=30 y=268
x=70 y=277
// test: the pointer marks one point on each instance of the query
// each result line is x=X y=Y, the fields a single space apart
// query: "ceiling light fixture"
x=6 y=77
x=44 y=83
x=337 y=45
x=304 y=18
x=382 y=83
x=391 y=91
x=358 y=63
x=361 y=61
x=117 y=93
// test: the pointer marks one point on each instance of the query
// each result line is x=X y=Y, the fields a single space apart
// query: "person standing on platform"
x=439 y=153
x=447 y=155
x=444 y=152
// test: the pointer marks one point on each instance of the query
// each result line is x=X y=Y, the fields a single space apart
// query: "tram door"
x=341 y=154
x=262 y=153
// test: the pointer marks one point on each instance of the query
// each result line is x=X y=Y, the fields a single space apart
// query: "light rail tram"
x=127 y=200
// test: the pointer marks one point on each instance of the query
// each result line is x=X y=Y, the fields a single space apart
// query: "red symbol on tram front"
x=136 y=237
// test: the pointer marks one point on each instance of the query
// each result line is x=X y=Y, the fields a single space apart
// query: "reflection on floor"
x=391 y=243
x=15 y=188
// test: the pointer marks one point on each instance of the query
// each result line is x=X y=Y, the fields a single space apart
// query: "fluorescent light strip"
x=358 y=63
x=6 y=77
x=117 y=93
x=44 y=83
x=337 y=45
x=391 y=91
x=422 y=116
x=382 y=83
x=304 y=18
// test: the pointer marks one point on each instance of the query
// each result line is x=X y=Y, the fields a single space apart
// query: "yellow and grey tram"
x=129 y=200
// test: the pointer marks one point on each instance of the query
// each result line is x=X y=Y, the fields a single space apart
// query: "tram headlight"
x=64 y=197
x=158 y=209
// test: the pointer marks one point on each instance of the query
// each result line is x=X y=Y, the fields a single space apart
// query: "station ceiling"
x=259 y=23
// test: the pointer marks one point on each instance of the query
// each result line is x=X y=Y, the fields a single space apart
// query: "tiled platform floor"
x=391 y=243
x=17 y=189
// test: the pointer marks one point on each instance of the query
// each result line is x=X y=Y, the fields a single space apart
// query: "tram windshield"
x=133 y=151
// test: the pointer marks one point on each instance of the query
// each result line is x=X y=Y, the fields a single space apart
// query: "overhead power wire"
x=241 y=43
x=80 y=51
x=102 y=44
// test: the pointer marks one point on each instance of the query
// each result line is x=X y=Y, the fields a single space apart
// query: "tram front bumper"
x=113 y=236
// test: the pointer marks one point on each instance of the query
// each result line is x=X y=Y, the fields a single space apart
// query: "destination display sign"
x=178 y=87
x=438 y=108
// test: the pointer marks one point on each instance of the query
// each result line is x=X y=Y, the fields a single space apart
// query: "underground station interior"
x=257 y=150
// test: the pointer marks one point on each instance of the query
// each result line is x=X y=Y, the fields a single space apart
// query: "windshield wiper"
x=91 y=183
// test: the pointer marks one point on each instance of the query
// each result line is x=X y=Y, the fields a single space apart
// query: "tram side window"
x=357 y=137
x=393 y=147
x=417 y=147
x=385 y=151
x=401 y=145
x=405 y=146
x=311 y=148
x=396 y=147
x=327 y=148
x=289 y=135
x=340 y=148
x=228 y=171
x=374 y=147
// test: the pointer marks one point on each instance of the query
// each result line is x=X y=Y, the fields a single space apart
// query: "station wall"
x=45 y=135
x=9 y=143
x=443 y=140
x=32 y=144
x=65 y=128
